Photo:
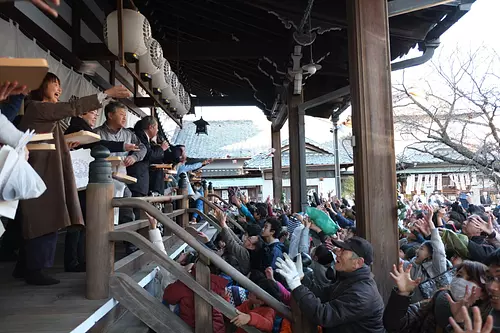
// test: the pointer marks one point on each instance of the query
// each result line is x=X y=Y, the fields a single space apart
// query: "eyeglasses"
x=491 y=279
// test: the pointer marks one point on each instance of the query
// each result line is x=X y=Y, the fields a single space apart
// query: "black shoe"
x=130 y=248
x=39 y=278
x=75 y=269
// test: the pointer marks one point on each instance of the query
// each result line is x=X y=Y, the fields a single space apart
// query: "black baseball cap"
x=358 y=245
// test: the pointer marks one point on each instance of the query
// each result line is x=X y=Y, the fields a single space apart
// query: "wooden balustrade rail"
x=225 y=202
x=212 y=221
x=138 y=241
x=163 y=198
x=229 y=218
x=139 y=224
x=175 y=268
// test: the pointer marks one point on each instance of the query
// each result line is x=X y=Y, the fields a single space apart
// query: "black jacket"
x=352 y=304
x=479 y=249
x=77 y=124
x=140 y=170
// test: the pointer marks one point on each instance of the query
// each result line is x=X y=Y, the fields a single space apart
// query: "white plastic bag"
x=18 y=180
x=23 y=182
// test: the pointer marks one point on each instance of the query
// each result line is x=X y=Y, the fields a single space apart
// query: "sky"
x=481 y=26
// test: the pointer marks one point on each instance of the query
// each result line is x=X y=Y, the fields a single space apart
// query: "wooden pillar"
x=100 y=217
x=277 y=167
x=297 y=142
x=183 y=219
x=204 y=184
x=373 y=131
x=203 y=309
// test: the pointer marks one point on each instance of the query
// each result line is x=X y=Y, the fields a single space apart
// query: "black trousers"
x=38 y=253
x=74 y=243
x=12 y=239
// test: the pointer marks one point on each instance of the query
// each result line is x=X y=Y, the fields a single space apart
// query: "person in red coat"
x=255 y=312
x=179 y=293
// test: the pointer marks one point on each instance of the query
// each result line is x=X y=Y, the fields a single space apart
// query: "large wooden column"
x=277 y=172
x=297 y=142
x=373 y=130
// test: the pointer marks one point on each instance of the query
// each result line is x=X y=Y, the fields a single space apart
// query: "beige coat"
x=59 y=206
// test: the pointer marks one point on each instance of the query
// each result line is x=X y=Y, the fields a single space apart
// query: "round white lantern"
x=187 y=102
x=159 y=80
x=136 y=31
x=178 y=102
x=171 y=90
x=151 y=62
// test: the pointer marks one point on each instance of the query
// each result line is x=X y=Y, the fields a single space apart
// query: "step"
x=120 y=318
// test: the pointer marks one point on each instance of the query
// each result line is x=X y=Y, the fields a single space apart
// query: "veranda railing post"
x=204 y=184
x=210 y=191
x=168 y=207
x=183 y=220
x=300 y=323
x=203 y=309
x=99 y=250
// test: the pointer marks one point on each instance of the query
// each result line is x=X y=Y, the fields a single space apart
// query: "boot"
x=39 y=278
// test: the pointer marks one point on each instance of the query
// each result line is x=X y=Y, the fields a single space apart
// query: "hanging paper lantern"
x=171 y=89
x=178 y=103
x=201 y=127
x=187 y=102
x=159 y=78
x=151 y=62
x=136 y=31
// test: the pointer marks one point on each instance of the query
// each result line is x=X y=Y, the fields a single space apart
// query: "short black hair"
x=493 y=259
x=275 y=225
x=112 y=107
x=37 y=94
x=256 y=276
x=261 y=209
x=325 y=256
x=145 y=122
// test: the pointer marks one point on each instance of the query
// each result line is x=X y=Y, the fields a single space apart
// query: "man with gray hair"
x=114 y=129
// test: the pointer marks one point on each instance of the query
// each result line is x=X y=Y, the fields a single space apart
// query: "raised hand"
x=470 y=297
x=221 y=217
x=486 y=227
x=43 y=5
x=118 y=92
x=269 y=273
x=164 y=145
x=152 y=221
x=288 y=269
x=403 y=279
x=9 y=89
x=477 y=327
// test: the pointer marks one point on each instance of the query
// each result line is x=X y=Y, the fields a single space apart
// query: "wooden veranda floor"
x=61 y=308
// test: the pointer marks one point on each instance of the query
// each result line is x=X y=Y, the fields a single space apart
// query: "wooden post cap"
x=100 y=169
x=183 y=182
x=204 y=184
x=210 y=186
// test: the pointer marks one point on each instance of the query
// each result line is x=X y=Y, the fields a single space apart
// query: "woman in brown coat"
x=59 y=206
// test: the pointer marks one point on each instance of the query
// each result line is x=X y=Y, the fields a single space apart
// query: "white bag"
x=18 y=180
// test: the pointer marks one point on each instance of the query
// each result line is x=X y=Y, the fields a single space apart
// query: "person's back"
x=179 y=293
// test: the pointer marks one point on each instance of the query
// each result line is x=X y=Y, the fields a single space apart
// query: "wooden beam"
x=400 y=7
x=144 y=306
x=226 y=101
x=277 y=171
x=296 y=128
x=75 y=26
x=373 y=134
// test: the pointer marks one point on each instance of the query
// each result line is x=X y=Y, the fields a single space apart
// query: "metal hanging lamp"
x=201 y=125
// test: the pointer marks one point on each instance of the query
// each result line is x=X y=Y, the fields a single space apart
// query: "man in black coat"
x=352 y=303
x=146 y=129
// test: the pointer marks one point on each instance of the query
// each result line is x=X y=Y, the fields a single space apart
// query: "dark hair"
x=271 y=288
x=428 y=244
x=112 y=107
x=275 y=225
x=475 y=270
x=261 y=209
x=325 y=256
x=37 y=94
x=256 y=276
x=144 y=123
x=173 y=154
x=493 y=259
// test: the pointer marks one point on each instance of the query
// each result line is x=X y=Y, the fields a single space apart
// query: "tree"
x=452 y=111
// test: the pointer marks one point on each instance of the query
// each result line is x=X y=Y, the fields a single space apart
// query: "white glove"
x=288 y=269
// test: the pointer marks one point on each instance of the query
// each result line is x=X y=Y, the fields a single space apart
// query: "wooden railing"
x=103 y=280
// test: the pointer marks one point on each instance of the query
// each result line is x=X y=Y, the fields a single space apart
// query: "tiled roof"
x=225 y=139
x=264 y=161
x=412 y=156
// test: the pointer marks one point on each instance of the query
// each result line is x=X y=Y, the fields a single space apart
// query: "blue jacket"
x=277 y=250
